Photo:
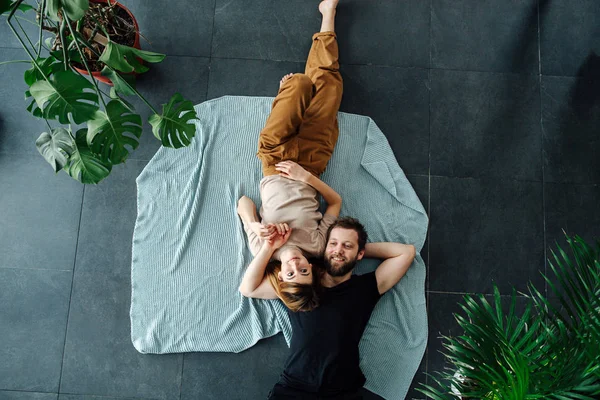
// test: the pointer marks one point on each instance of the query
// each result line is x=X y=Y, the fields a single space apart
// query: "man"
x=324 y=360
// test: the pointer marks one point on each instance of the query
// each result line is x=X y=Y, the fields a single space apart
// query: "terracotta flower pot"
x=96 y=74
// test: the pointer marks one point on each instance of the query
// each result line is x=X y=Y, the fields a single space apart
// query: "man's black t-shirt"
x=324 y=348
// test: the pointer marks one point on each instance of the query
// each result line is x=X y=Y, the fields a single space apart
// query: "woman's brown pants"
x=303 y=126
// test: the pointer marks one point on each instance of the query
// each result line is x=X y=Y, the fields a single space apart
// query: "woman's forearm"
x=330 y=195
x=256 y=270
x=247 y=210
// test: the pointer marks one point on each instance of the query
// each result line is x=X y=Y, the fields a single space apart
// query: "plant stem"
x=26 y=20
x=84 y=61
x=138 y=94
x=25 y=33
x=64 y=44
x=14 y=62
x=12 y=28
x=48 y=123
x=41 y=8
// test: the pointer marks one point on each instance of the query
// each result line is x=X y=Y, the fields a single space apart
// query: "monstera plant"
x=98 y=39
x=551 y=350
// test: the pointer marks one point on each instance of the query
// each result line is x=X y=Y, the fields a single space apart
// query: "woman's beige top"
x=293 y=202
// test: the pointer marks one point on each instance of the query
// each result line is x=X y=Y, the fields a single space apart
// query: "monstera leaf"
x=124 y=58
x=7 y=5
x=63 y=95
x=74 y=9
x=84 y=165
x=107 y=132
x=49 y=65
x=56 y=147
x=174 y=128
x=121 y=84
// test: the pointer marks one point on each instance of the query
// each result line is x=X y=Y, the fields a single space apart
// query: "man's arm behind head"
x=397 y=257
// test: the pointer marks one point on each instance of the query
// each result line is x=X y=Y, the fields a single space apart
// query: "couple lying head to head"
x=309 y=251
x=297 y=279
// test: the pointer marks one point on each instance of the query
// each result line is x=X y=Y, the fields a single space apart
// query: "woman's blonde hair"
x=296 y=296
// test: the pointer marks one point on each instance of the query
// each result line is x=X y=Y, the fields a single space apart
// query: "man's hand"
x=292 y=170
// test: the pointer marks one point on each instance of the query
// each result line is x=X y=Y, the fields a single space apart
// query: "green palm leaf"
x=65 y=94
x=173 y=128
x=543 y=354
x=124 y=58
x=107 y=132
x=56 y=147
x=84 y=165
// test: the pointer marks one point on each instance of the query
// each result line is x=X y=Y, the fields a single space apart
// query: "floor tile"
x=15 y=395
x=18 y=128
x=397 y=99
x=442 y=307
x=185 y=75
x=262 y=29
x=485 y=231
x=570 y=120
x=250 y=374
x=569 y=37
x=497 y=36
x=421 y=185
x=93 y=397
x=33 y=319
x=41 y=217
x=382 y=32
x=479 y=128
x=238 y=77
x=99 y=356
x=27 y=21
x=574 y=209
x=182 y=28
x=419 y=379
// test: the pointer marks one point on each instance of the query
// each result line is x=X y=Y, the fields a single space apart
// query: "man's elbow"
x=412 y=251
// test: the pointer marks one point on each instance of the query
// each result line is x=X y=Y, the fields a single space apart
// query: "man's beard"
x=341 y=270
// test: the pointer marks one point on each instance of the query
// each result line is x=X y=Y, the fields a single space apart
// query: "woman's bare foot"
x=328 y=6
x=285 y=78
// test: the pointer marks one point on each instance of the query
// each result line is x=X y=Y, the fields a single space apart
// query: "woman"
x=294 y=147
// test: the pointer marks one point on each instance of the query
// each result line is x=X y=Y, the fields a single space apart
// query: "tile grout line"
x=427 y=270
x=542 y=149
x=476 y=294
x=210 y=56
x=38 y=269
x=75 y=394
x=181 y=382
x=62 y=363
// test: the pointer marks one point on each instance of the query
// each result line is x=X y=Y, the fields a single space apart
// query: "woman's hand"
x=292 y=170
x=269 y=231
x=264 y=232
x=280 y=238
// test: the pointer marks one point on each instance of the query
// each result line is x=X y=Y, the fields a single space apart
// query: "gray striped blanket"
x=189 y=250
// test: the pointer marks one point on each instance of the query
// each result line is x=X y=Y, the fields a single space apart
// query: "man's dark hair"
x=350 y=223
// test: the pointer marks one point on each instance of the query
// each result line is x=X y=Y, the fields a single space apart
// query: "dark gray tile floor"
x=492 y=108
